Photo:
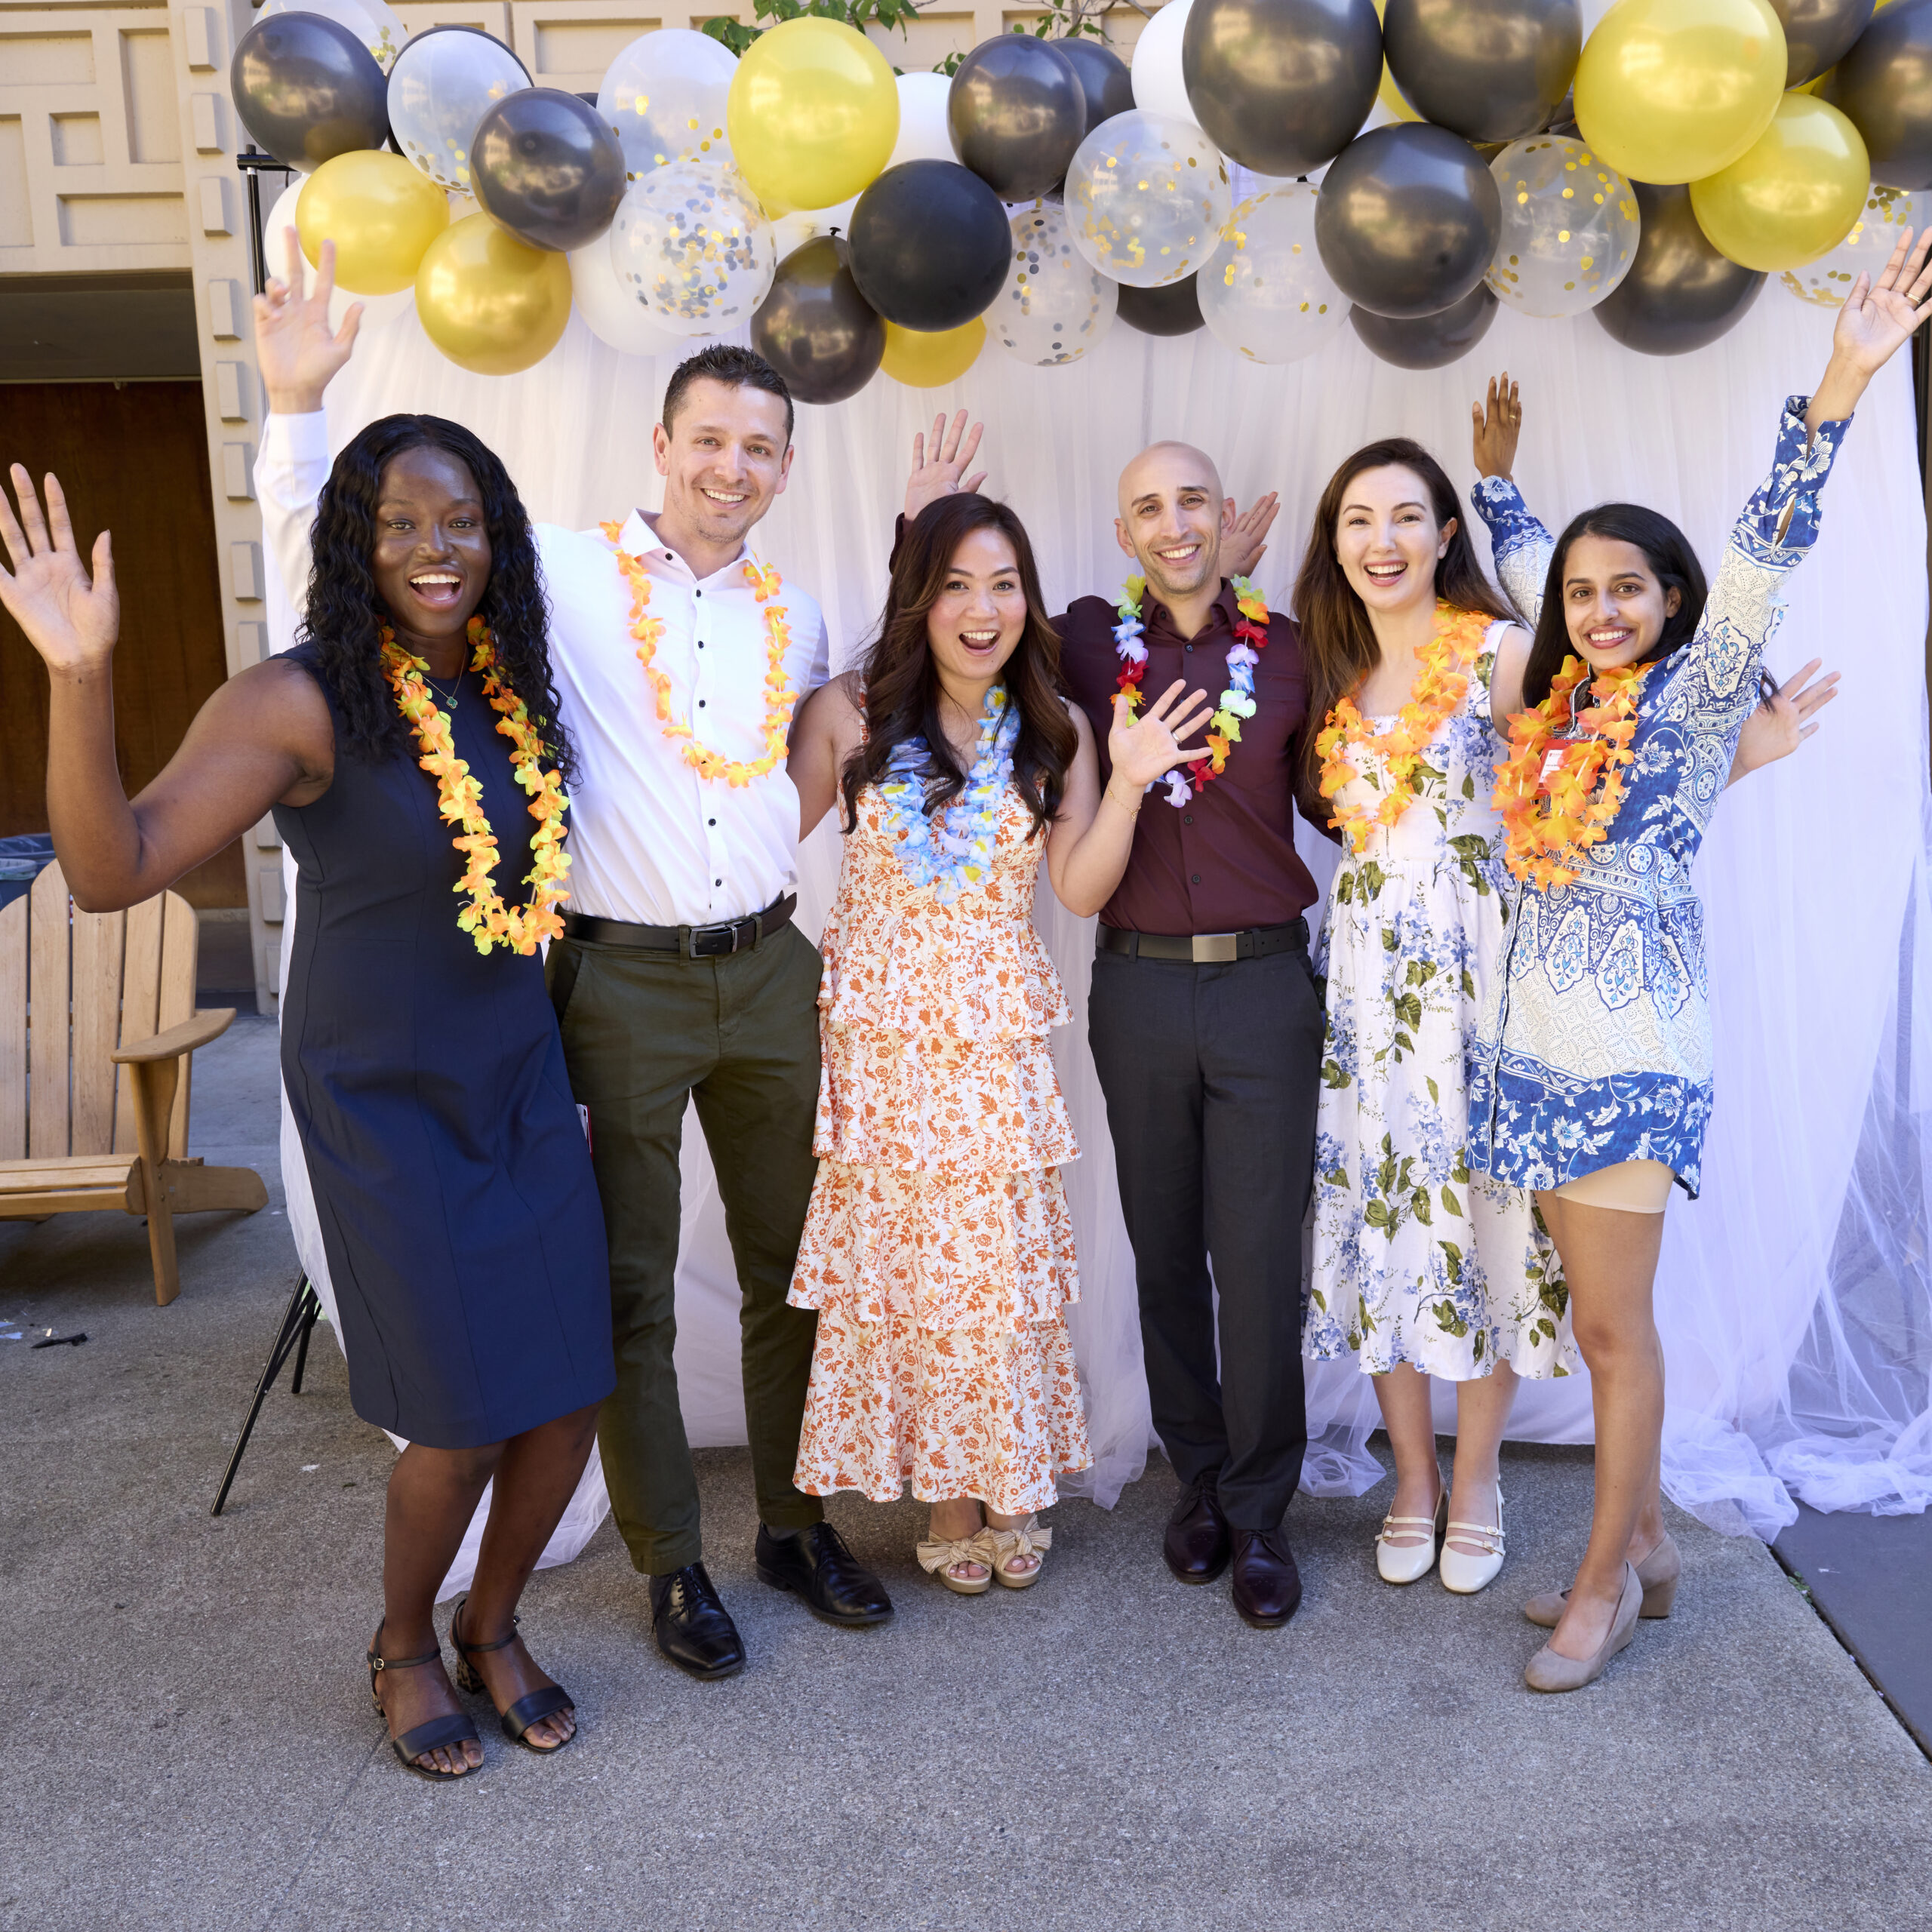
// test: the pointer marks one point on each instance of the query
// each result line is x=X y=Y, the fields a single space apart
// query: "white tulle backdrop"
x=1794 y=1297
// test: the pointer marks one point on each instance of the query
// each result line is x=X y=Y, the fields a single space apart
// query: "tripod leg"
x=285 y=1337
x=311 y=1308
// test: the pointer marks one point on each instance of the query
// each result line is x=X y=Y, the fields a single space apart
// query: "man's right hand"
x=937 y=469
x=295 y=348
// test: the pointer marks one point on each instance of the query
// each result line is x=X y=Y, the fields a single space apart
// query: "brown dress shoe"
x=1198 y=1543
x=1267 y=1585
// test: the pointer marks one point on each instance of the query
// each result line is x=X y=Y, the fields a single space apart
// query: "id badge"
x=1553 y=763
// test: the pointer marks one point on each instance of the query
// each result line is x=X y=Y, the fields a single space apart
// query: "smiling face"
x=723 y=459
x=1387 y=539
x=431 y=560
x=975 y=623
x=1172 y=518
x=1614 y=607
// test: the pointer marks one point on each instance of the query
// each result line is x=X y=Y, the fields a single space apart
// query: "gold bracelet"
x=1134 y=809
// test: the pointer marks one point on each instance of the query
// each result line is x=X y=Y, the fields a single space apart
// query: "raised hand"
x=1777 y=727
x=70 y=618
x=1877 y=316
x=938 y=468
x=1142 y=750
x=1497 y=427
x=296 y=350
x=1244 y=546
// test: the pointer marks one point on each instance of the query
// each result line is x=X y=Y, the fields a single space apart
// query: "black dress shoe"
x=1198 y=1544
x=694 y=1630
x=1267 y=1585
x=817 y=1565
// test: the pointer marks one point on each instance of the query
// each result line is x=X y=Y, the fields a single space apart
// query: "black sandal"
x=532 y=1708
x=455 y=1728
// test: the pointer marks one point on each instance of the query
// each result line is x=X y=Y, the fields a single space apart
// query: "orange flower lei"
x=1438 y=689
x=780 y=693
x=460 y=797
x=1582 y=780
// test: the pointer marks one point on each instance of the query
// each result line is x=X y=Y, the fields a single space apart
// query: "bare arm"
x=825 y=734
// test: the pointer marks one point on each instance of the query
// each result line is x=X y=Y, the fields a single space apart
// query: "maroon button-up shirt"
x=1225 y=860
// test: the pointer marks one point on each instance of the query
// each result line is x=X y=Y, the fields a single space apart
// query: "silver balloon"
x=665 y=95
x=1886 y=214
x=443 y=83
x=1017 y=111
x=1884 y=87
x=1818 y=34
x=1105 y=78
x=1056 y=305
x=1173 y=309
x=1680 y=293
x=1146 y=197
x=1266 y=293
x=307 y=89
x=692 y=244
x=1489 y=70
x=1428 y=342
x=1408 y=219
x=1569 y=227
x=548 y=169
x=816 y=329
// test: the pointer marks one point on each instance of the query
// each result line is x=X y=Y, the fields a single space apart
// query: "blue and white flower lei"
x=932 y=852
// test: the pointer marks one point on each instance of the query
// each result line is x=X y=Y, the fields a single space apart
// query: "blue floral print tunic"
x=1594 y=1044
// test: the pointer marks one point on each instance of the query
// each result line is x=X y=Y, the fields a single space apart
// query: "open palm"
x=70 y=617
x=1879 y=315
x=296 y=350
x=1142 y=750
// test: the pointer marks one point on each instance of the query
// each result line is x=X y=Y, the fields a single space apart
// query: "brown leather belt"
x=1205 y=948
x=690 y=942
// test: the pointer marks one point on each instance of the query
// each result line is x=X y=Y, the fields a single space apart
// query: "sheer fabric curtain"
x=1794 y=1297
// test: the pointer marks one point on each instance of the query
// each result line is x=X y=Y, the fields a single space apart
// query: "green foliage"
x=858 y=14
x=1064 y=19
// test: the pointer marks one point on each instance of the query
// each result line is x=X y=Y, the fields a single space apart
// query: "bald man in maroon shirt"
x=1205 y=1022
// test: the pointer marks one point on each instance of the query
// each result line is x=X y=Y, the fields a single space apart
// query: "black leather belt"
x=691 y=941
x=1205 y=949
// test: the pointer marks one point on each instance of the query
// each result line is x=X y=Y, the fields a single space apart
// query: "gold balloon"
x=925 y=361
x=489 y=302
x=1794 y=196
x=813 y=114
x=381 y=212
x=1671 y=90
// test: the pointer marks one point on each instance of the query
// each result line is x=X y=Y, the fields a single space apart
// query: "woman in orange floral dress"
x=938 y=1250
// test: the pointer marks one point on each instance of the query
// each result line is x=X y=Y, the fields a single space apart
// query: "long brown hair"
x=902 y=681
x=1338 y=644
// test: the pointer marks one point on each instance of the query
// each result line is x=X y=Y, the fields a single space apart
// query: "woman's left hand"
x=1143 y=750
x=1776 y=728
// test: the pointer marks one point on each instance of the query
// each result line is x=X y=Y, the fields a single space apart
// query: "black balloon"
x=1105 y=78
x=1428 y=342
x=547 y=168
x=930 y=245
x=815 y=328
x=1016 y=112
x=1281 y=86
x=1679 y=293
x=1819 y=33
x=1883 y=86
x=1407 y=220
x=1173 y=309
x=307 y=90
x=1489 y=70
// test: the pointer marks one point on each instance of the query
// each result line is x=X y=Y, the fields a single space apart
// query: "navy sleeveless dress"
x=458 y=1209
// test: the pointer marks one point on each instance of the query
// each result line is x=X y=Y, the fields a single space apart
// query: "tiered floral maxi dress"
x=937 y=1249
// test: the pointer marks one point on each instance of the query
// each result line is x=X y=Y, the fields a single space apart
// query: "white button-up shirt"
x=650 y=841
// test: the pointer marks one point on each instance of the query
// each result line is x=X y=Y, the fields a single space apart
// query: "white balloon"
x=1146 y=197
x=1569 y=227
x=444 y=82
x=1886 y=214
x=1056 y=305
x=802 y=225
x=378 y=28
x=1267 y=294
x=924 y=132
x=692 y=244
x=1158 y=86
x=376 y=309
x=610 y=311
x=665 y=95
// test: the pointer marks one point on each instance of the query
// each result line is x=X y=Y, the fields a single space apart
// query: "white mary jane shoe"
x=1409 y=1562
x=1466 y=1574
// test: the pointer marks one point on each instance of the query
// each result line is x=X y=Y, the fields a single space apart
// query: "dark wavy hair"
x=341 y=620
x=1338 y=643
x=1672 y=561
x=902 y=681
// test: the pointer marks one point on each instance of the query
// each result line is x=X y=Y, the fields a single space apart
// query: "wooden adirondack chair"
x=82 y=994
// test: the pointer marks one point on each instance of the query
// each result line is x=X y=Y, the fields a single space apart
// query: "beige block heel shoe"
x=1550 y=1670
x=1658 y=1573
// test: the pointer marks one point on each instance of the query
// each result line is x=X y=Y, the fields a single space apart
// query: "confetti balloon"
x=1056 y=305
x=665 y=96
x=1146 y=197
x=609 y=309
x=692 y=244
x=1267 y=293
x=378 y=28
x=443 y=83
x=1881 y=223
x=1569 y=227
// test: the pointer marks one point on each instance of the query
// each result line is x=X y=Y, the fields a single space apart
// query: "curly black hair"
x=341 y=619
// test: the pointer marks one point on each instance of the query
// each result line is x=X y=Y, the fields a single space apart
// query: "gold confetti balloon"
x=1571 y=226
x=377 y=25
x=1880 y=226
x=1266 y=294
x=691 y=243
x=444 y=82
x=492 y=304
x=1146 y=198
x=665 y=95
x=1056 y=305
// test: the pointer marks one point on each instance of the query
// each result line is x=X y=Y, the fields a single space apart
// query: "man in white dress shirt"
x=681 y=976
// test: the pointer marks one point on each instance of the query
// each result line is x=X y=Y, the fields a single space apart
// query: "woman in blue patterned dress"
x=1591 y=1081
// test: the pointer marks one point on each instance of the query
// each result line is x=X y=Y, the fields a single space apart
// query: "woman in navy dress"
x=421 y=1055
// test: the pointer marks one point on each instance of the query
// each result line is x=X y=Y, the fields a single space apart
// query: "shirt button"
x=700 y=704
x=711 y=821
x=718 y=881
x=1188 y=648
x=1195 y=877
x=1187 y=818
x=700 y=593
x=700 y=644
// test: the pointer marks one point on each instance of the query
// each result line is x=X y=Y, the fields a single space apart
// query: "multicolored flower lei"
x=1440 y=681
x=780 y=693
x=1582 y=779
x=930 y=852
x=460 y=797
x=1237 y=701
